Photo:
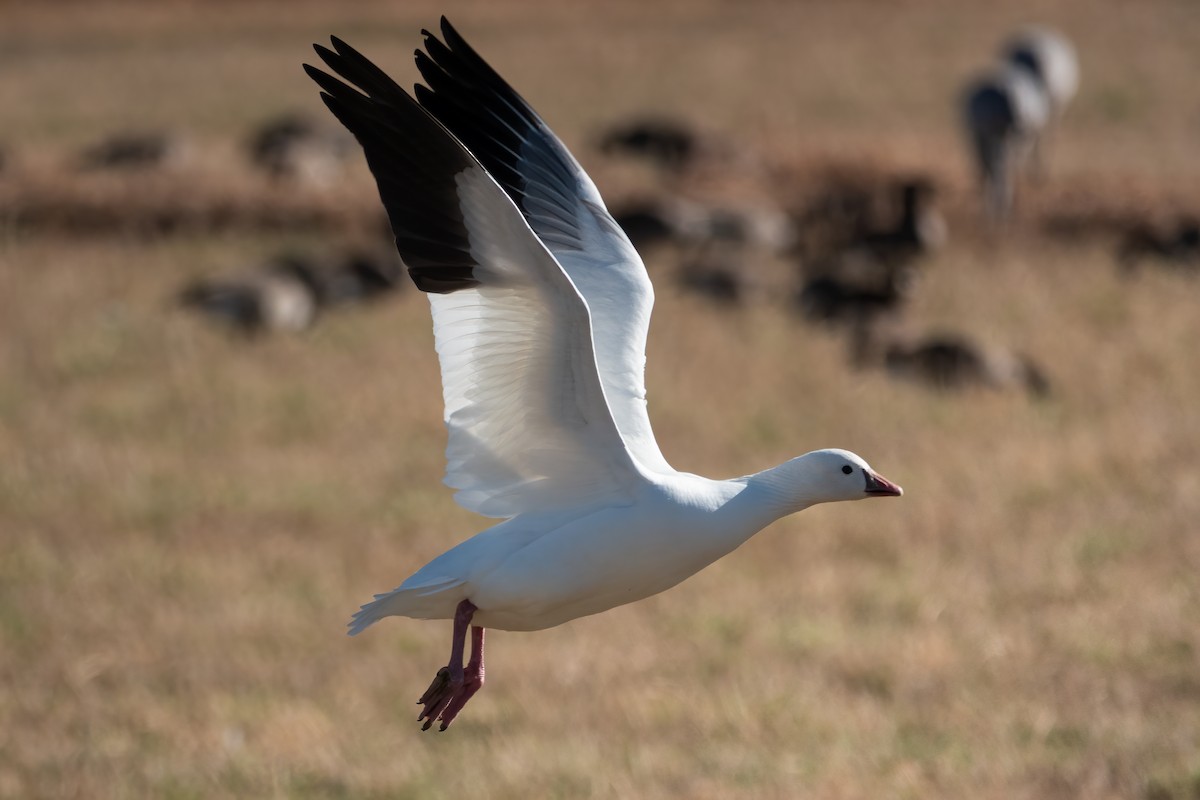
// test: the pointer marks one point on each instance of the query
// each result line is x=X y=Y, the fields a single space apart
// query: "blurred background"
x=871 y=225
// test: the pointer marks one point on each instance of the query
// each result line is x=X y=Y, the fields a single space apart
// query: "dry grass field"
x=188 y=519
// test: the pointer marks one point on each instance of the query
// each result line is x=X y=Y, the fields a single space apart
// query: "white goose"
x=540 y=312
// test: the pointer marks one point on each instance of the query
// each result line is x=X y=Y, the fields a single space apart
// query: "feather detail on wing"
x=563 y=207
x=529 y=425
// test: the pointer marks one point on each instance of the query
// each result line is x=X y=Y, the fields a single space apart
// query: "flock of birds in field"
x=856 y=252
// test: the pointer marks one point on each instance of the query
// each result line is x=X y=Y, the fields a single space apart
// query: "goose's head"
x=832 y=475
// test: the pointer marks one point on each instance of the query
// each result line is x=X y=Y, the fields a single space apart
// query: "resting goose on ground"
x=1177 y=248
x=670 y=144
x=134 y=150
x=295 y=147
x=919 y=231
x=283 y=295
x=945 y=361
x=540 y=312
x=833 y=299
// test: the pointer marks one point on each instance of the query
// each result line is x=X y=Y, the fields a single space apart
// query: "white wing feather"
x=529 y=425
x=564 y=209
x=530 y=429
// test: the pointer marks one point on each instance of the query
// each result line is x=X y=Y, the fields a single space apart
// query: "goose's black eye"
x=847 y=469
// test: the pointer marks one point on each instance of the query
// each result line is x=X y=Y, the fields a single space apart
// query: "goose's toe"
x=437 y=697
x=471 y=685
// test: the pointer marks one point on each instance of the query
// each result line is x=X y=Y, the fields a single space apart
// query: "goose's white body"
x=541 y=309
x=539 y=570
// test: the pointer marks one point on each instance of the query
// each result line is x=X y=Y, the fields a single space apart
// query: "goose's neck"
x=780 y=490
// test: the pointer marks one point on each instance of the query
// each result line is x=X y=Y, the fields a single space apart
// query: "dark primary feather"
x=414 y=160
x=508 y=137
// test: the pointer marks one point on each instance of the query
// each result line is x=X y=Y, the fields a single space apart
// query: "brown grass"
x=187 y=521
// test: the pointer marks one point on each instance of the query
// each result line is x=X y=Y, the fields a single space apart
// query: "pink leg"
x=472 y=679
x=449 y=679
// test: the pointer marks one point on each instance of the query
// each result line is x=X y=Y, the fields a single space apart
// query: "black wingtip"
x=322 y=78
x=326 y=55
x=334 y=107
x=348 y=53
x=454 y=39
x=330 y=86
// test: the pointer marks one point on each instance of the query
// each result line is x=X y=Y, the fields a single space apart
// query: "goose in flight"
x=540 y=311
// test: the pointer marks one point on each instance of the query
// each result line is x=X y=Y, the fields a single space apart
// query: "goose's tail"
x=430 y=599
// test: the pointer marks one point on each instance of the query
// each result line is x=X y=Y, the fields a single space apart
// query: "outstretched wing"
x=562 y=205
x=530 y=429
